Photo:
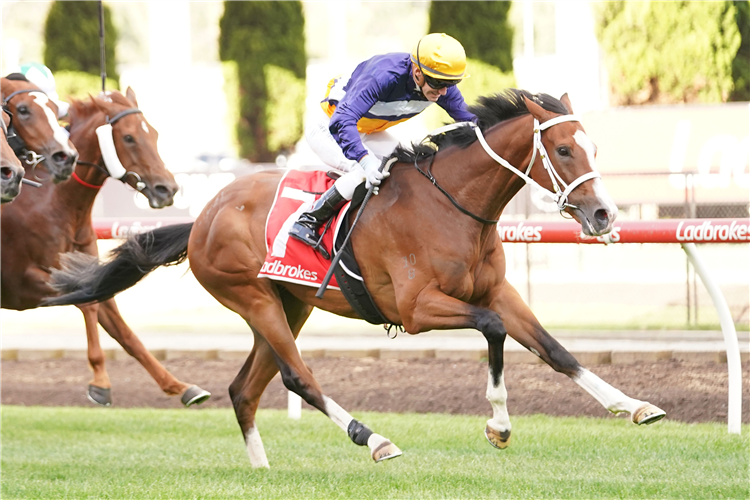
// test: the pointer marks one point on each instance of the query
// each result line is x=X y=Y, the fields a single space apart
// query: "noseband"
x=114 y=167
x=15 y=141
x=561 y=189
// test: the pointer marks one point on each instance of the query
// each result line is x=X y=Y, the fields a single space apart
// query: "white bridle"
x=561 y=189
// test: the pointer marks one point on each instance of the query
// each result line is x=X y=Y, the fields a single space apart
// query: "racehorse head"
x=572 y=170
x=39 y=138
x=110 y=127
x=11 y=170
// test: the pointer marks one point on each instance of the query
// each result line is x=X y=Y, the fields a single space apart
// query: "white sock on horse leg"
x=255 y=450
x=609 y=397
x=497 y=395
x=336 y=413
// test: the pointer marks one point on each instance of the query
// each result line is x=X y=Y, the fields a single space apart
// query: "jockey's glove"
x=373 y=175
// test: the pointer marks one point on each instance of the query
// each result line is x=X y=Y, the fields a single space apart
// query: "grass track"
x=141 y=453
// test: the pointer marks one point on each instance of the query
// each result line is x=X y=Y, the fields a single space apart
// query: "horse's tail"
x=82 y=278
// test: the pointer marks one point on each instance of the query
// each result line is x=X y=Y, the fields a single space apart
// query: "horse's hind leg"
x=261 y=305
x=249 y=384
x=523 y=326
x=99 y=390
x=111 y=320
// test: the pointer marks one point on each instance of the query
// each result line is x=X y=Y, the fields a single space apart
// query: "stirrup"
x=308 y=239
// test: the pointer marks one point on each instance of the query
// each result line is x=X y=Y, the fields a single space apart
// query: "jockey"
x=350 y=133
x=42 y=77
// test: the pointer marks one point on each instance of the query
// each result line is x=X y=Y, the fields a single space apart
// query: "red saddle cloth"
x=288 y=259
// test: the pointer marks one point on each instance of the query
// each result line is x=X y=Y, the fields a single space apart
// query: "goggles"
x=437 y=84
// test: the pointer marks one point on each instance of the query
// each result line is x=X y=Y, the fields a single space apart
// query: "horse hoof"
x=499 y=440
x=385 y=451
x=99 y=395
x=194 y=395
x=648 y=414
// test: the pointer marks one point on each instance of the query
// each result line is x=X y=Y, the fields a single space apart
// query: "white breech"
x=323 y=144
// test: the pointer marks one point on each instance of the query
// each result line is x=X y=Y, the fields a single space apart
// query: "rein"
x=114 y=167
x=561 y=188
x=432 y=179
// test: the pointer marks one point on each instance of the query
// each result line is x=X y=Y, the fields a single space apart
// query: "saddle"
x=347 y=272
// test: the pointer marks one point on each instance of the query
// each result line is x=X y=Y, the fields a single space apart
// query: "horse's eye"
x=23 y=110
x=129 y=139
x=563 y=151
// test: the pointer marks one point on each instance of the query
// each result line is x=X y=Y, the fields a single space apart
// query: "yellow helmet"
x=440 y=56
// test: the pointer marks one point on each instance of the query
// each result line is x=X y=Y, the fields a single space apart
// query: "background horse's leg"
x=111 y=320
x=525 y=328
x=258 y=370
x=435 y=310
x=99 y=390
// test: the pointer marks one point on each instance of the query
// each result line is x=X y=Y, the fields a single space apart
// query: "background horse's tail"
x=82 y=278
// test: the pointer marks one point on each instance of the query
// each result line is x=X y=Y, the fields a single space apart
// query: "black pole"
x=102 y=62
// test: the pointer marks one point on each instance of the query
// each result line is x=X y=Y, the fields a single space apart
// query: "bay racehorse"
x=11 y=170
x=436 y=212
x=111 y=135
x=37 y=138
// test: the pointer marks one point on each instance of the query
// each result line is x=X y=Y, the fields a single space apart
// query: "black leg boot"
x=306 y=227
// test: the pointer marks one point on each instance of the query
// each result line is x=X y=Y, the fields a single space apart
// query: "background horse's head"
x=573 y=154
x=40 y=138
x=11 y=170
x=134 y=140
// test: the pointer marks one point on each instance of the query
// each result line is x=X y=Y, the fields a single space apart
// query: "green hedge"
x=670 y=52
x=79 y=85
x=258 y=36
x=71 y=38
x=481 y=27
x=283 y=113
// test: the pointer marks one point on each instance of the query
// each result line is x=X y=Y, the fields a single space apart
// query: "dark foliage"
x=71 y=38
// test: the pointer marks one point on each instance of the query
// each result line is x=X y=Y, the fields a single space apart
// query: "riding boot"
x=306 y=227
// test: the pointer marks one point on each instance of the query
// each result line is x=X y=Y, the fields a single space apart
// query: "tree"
x=668 y=52
x=741 y=63
x=71 y=37
x=257 y=36
x=481 y=27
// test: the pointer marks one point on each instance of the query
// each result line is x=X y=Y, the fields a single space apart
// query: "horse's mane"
x=489 y=110
x=86 y=107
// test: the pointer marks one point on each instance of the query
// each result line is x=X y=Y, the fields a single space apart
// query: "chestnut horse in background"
x=11 y=170
x=56 y=218
x=38 y=139
x=428 y=251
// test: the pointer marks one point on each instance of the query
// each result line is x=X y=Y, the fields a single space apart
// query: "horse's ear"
x=566 y=100
x=536 y=110
x=130 y=94
x=100 y=103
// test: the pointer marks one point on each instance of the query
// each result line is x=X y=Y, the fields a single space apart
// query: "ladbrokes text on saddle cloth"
x=288 y=259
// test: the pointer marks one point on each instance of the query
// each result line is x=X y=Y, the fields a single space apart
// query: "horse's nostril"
x=601 y=216
x=163 y=190
x=60 y=157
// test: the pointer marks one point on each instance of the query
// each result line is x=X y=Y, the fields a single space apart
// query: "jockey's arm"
x=357 y=101
x=453 y=103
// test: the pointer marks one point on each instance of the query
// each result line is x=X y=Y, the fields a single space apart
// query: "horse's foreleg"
x=435 y=310
x=99 y=390
x=111 y=320
x=525 y=328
